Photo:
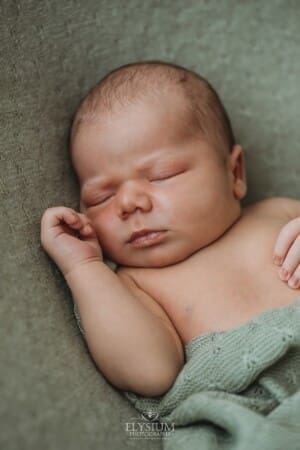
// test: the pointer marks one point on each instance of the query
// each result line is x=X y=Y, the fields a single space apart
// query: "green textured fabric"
x=52 y=52
x=239 y=389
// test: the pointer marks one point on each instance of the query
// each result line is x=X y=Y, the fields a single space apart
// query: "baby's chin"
x=149 y=260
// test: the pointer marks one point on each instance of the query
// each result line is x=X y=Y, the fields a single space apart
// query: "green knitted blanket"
x=239 y=389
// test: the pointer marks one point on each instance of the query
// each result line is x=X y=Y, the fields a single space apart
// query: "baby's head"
x=153 y=149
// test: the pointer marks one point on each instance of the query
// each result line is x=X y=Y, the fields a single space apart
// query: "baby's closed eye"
x=165 y=176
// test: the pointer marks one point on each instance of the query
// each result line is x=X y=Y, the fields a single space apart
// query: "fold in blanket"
x=239 y=388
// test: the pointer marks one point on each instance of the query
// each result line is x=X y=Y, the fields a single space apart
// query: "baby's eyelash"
x=104 y=199
x=165 y=177
x=99 y=202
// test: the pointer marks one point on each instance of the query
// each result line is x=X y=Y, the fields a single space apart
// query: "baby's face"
x=139 y=170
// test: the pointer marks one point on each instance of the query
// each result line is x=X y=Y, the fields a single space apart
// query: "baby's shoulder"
x=284 y=208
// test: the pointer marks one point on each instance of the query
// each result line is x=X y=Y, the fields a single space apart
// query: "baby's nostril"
x=124 y=215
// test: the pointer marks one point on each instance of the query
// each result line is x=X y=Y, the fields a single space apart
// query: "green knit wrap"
x=239 y=388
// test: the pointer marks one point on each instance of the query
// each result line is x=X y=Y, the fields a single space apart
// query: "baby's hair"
x=135 y=82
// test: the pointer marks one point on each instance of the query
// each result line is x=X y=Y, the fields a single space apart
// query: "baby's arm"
x=128 y=340
x=130 y=344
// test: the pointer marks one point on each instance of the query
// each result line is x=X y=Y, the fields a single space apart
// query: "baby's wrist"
x=84 y=265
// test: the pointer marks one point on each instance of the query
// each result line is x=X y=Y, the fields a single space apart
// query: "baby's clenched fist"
x=69 y=238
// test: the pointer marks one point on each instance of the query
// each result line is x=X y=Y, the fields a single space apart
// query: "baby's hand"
x=287 y=253
x=69 y=238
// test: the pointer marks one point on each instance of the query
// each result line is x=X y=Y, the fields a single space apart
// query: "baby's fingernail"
x=284 y=274
x=87 y=229
x=293 y=282
x=277 y=259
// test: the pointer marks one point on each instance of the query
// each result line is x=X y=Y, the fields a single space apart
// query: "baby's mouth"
x=145 y=238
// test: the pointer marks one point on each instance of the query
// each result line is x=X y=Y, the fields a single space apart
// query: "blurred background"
x=52 y=395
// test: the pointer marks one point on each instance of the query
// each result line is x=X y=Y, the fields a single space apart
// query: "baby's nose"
x=131 y=197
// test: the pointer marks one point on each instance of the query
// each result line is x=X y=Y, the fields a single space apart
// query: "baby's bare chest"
x=221 y=287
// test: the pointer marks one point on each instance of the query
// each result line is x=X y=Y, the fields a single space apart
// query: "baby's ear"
x=237 y=162
x=240 y=189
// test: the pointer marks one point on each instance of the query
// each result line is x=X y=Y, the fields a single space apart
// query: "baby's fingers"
x=291 y=260
x=87 y=231
x=294 y=280
x=288 y=234
x=78 y=222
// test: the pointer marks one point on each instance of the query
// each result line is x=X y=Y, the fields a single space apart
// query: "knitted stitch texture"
x=238 y=390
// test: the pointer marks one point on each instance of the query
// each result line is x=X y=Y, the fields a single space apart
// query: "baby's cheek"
x=171 y=204
x=107 y=229
x=96 y=221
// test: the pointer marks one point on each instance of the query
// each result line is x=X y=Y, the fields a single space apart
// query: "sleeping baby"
x=161 y=182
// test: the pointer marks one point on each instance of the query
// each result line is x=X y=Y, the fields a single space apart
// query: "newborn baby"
x=161 y=183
